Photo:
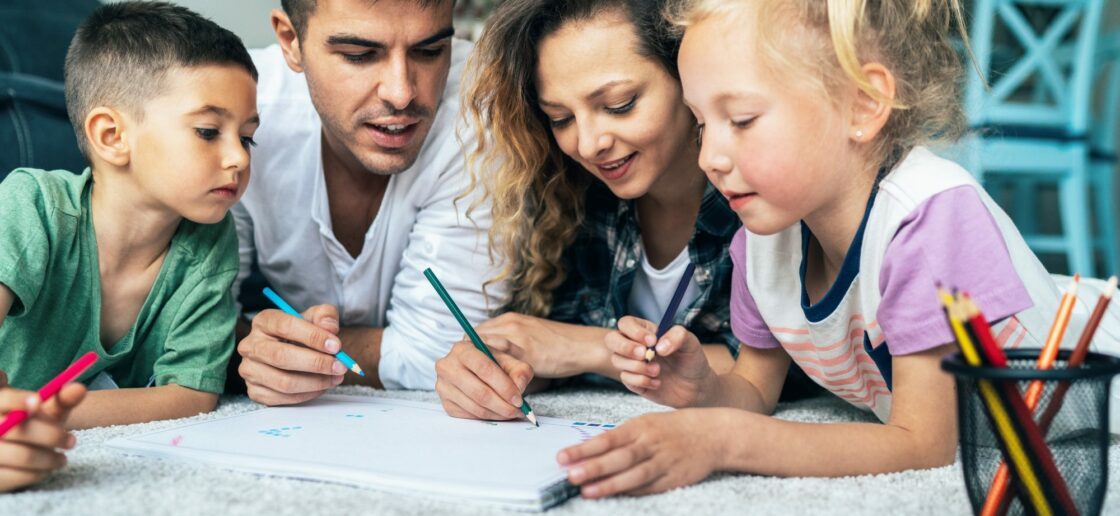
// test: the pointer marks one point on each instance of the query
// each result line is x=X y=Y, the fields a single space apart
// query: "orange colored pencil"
x=1054 y=339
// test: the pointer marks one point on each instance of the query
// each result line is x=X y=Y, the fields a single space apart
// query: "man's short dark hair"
x=120 y=56
x=299 y=11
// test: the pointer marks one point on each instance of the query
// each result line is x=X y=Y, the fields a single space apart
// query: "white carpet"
x=99 y=481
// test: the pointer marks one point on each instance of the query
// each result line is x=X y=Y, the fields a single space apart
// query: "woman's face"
x=618 y=114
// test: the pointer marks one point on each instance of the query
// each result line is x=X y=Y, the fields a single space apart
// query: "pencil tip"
x=532 y=418
x=650 y=353
x=358 y=369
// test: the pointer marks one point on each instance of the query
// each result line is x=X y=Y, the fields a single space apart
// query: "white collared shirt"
x=284 y=219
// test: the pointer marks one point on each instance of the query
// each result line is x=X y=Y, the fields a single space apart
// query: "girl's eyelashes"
x=624 y=108
x=743 y=123
x=248 y=141
x=206 y=133
x=699 y=134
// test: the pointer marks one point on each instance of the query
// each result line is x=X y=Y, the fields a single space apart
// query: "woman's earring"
x=859 y=134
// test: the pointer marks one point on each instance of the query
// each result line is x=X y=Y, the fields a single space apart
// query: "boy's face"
x=376 y=73
x=190 y=151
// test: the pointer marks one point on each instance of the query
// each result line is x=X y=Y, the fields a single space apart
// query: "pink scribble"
x=176 y=440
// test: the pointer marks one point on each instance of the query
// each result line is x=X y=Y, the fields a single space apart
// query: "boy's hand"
x=29 y=451
x=287 y=360
x=648 y=454
x=679 y=374
x=472 y=386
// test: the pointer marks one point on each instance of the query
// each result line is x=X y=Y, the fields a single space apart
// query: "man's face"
x=376 y=71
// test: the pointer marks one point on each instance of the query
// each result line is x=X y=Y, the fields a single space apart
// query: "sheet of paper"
x=394 y=445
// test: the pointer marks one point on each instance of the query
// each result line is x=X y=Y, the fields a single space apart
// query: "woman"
x=598 y=203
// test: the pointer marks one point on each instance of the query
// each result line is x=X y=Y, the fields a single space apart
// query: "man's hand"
x=287 y=360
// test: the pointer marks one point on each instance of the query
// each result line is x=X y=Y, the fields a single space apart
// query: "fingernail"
x=562 y=457
x=333 y=346
x=662 y=345
x=590 y=491
x=338 y=379
x=640 y=352
x=331 y=321
x=516 y=400
x=576 y=474
x=338 y=368
x=71 y=441
x=655 y=383
x=32 y=403
x=650 y=340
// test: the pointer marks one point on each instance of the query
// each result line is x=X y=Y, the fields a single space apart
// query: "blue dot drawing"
x=355 y=416
x=608 y=426
x=579 y=423
x=284 y=431
x=593 y=424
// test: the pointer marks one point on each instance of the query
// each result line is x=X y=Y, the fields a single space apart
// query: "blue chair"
x=1031 y=112
x=1103 y=153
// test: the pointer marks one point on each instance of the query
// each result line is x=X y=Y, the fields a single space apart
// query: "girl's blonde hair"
x=535 y=190
x=912 y=38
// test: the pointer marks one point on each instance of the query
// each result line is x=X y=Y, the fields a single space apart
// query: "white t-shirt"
x=653 y=288
x=284 y=219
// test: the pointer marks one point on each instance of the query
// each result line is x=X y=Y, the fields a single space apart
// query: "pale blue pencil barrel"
x=286 y=308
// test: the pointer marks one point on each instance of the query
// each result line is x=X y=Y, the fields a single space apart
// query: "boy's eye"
x=618 y=110
x=248 y=141
x=206 y=133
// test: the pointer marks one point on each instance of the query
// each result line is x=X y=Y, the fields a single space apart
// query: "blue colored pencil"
x=671 y=311
x=283 y=305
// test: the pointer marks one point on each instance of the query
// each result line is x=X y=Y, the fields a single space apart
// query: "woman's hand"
x=553 y=349
x=472 y=386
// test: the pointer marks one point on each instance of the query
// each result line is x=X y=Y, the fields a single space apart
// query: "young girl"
x=598 y=203
x=812 y=115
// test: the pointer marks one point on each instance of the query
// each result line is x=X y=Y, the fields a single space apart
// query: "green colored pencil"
x=525 y=409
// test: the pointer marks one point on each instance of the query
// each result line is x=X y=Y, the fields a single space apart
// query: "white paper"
x=395 y=445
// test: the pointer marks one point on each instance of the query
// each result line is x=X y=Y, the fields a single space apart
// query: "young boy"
x=134 y=257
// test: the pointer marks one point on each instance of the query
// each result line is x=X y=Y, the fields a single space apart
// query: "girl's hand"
x=648 y=454
x=472 y=386
x=29 y=451
x=678 y=376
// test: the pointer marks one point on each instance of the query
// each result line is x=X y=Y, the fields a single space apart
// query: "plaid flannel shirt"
x=601 y=263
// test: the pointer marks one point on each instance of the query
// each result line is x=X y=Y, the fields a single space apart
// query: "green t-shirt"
x=48 y=258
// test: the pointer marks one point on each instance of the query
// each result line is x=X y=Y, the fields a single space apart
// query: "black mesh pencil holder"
x=1077 y=435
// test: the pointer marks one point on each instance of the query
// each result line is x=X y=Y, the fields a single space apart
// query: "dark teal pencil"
x=525 y=409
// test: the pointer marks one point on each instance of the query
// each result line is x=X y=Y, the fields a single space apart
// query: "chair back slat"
x=1055 y=65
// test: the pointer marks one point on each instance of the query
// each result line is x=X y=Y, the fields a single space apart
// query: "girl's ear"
x=105 y=133
x=871 y=112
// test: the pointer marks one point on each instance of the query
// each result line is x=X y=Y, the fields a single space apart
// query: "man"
x=356 y=187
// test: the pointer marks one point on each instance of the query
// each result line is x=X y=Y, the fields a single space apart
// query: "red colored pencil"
x=52 y=387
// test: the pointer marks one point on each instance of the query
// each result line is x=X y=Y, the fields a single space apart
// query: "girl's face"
x=778 y=151
x=613 y=111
